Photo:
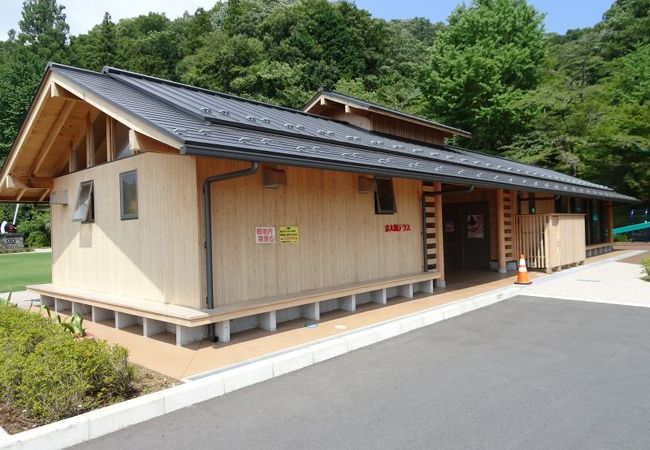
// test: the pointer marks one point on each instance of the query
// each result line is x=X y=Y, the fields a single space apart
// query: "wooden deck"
x=237 y=310
x=598 y=249
x=155 y=315
x=180 y=315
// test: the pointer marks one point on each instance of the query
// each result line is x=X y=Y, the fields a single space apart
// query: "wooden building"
x=203 y=214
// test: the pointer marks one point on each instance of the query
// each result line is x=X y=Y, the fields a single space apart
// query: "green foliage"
x=36 y=228
x=7 y=301
x=73 y=324
x=625 y=27
x=593 y=107
x=43 y=37
x=621 y=238
x=51 y=374
x=645 y=263
x=43 y=29
x=481 y=67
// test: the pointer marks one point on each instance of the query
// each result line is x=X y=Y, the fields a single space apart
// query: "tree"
x=21 y=72
x=149 y=45
x=625 y=27
x=43 y=37
x=107 y=45
x=481 y=67
x=43 y=28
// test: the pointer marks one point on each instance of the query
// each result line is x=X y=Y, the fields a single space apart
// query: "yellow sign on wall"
x=289 y=235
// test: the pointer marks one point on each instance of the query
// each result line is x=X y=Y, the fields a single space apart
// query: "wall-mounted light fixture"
x=273 y=178
x=366 y=184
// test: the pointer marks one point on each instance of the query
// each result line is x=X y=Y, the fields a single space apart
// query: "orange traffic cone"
x=522 y=276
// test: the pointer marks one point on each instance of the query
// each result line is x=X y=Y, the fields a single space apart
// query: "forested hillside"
x=579 y=102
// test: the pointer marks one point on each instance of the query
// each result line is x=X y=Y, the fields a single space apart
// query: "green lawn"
x=21 y=269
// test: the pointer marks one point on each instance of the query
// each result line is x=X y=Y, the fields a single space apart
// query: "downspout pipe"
x=207 y=203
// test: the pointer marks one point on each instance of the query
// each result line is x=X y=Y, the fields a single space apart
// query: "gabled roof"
x=209 y=123
x=362 y=104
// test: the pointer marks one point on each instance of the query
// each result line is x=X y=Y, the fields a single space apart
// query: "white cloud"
x=82 y=15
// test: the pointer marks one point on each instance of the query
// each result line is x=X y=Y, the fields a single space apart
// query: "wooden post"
x=90 y=142
x=134 y=142
x=609 y=211
x=72 y=161
x=110 y=146
x=440 y=251
x=501 y=237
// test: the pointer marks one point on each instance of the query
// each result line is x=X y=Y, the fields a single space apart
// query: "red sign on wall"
x=397 y=227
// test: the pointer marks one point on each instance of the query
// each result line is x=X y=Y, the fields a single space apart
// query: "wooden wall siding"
x=401 y=128
x=356 y=117
x=154 y=257
x=342 y=240
x=433 y=227
x=373 y=121
x=544 y=203
x=550 y=241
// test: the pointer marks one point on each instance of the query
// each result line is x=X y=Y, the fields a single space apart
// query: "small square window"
x=129 y=195
x=384 y=196
x=84 y=210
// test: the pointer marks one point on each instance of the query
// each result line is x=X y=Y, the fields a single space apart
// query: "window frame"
x=378 y=206
x=123 y=214
x=89 y=216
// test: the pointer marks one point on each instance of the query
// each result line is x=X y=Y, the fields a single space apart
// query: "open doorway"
x=467 y=235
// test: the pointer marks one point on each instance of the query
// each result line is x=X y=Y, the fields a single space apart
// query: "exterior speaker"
x=366 y=184
x=273 y=178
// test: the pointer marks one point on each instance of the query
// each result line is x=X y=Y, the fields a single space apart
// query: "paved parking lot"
x=528 y=373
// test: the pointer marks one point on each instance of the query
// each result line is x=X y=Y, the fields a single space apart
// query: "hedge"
x=50 y=374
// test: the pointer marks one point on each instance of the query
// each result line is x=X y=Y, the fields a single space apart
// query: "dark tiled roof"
x=210 y=123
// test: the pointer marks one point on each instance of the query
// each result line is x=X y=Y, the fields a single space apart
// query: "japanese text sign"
x=265 y=235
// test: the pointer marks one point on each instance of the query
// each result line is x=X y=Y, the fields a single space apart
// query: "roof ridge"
x=107 y=70
x=54 y=65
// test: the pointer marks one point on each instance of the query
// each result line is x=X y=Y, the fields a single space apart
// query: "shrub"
x=621 y=238
x=53 y=375
x=35 y=226
x=37 y=239
x=645 y=263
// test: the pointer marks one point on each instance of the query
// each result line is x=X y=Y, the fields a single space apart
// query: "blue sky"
x=561 y=15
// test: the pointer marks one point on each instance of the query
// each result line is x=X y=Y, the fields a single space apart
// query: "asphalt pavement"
x=526 y=373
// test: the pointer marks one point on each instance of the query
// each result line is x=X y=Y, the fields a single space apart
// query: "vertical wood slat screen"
x=509 y=224
x=430 y=230
x=551 y=241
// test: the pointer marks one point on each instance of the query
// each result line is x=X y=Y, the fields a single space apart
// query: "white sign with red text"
x=265 y=235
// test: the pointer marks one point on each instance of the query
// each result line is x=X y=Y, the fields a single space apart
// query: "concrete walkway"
x=615 y=282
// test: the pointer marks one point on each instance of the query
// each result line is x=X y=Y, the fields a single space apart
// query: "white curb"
x=202 y=387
